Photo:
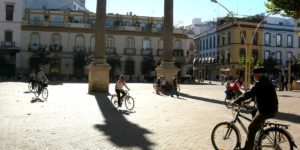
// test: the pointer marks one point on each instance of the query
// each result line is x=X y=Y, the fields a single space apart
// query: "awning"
x=225 y=69
x=195 y=61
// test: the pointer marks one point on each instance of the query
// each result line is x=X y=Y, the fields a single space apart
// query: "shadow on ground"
x=288 y=117
x=120 y=131
x=202 y=99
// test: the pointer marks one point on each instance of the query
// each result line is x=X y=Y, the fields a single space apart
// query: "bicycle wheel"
x=225 y=136
x=275 y=138
x=45 y=93
x=114 y=100
x=129 y=102
x=35 y=90
x=30 y=86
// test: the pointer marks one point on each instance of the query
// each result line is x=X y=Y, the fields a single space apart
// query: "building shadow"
x=120 y=131
x=288 y=117
x=202 y=99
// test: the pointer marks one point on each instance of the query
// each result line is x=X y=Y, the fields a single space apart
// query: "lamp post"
x=247 y=65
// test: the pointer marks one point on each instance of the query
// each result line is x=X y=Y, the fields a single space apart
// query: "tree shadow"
x=120 y=131
x=202 y=99
x=288 y=117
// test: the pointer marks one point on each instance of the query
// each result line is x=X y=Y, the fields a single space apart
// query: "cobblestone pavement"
x=73 y=119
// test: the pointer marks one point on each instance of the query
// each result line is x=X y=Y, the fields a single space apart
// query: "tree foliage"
x=289 y=8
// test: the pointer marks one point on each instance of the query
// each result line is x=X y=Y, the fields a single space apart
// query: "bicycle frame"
x=237 y=119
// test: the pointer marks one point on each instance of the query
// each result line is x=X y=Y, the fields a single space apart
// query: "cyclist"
x=119 y=89
x=32 y=79
x=41 y=78
x=238 y=83
x=266 y=100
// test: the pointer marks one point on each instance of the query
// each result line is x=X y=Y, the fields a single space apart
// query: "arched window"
x=160 y=44
x=146 y=44
x=34 y=39
x=56 y=39
x=130 y=42
x=110 y=42
x=178 y=44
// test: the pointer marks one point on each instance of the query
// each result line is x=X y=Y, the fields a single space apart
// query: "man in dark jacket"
x=266 y=100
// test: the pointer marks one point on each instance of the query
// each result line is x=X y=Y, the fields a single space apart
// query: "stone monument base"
x=98 y=76
x=167 y=69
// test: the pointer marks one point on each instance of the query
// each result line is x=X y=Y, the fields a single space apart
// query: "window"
x=228 y=56
x=110 y=42
x=9 y=12
x=218 y=41
x=178 y=44
x=223 y=39
x=210 y=42
x=242 y=52
x=267 y=39
x=278 y=57
x=267 y=55
x=79 y=42
x=229 y=37
x=299 y=41
x=55 y=39
x=255 y=39
x=289 y=55
x=207 y=43
x=34 y=39
x=214 y=42
x=146 y=44
x=243 y=36
x=255 y=55
x=130 y=43
x=290 y=41
x=160 y=44
x=8 y=36
x=199 y=45
x=278 y=40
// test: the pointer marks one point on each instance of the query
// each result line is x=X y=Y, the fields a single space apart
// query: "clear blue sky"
x=184 y=10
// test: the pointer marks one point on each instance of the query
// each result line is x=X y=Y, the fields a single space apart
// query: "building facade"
x=134 y=44
x=280 y=41
x=74 y=5
x=11 y=13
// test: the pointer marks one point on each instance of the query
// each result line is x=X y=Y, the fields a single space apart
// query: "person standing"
x=285 y=82
x=119 y=89
x=174 y=86
x=266 y=100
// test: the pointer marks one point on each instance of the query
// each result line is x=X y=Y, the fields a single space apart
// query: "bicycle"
x=44 y=91
x=270 y=136
x=129 y=101
x=250 y=104
x=32 y=86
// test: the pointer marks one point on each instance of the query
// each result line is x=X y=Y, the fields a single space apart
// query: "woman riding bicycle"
x=119 y=89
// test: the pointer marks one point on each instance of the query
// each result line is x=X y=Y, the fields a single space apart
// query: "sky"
x=184 y=10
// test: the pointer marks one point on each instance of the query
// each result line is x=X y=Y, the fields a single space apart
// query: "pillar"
x=167 y=67
x=99 y=69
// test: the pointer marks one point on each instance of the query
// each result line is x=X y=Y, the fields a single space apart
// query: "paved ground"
x=73 y=119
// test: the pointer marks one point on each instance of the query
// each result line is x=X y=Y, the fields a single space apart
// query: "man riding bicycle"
x=41 y=79
x=119 y=89
x=266 y=100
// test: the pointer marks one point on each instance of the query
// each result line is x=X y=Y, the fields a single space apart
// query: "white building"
x=11 y=12
x=280 y=40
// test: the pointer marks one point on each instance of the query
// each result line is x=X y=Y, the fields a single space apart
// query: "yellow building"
x=233 y=44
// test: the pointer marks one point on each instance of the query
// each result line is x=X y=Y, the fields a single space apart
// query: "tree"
x=289 y=8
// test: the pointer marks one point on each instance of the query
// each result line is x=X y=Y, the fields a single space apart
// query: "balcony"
x=146 y=52
x=178 y=53
x=129 y=51
x=160 y=52
x=79 y=48
x=8 y=44
x=55 y=48
x=36 y=23
x=56 y=24
x=34 y=47
x=110 y=51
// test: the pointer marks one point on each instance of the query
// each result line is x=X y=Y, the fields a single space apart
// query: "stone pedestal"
x=167 y=69
x=99 y=76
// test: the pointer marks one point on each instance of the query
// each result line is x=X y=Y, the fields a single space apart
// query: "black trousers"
x=119 y=92
x=256 y=124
